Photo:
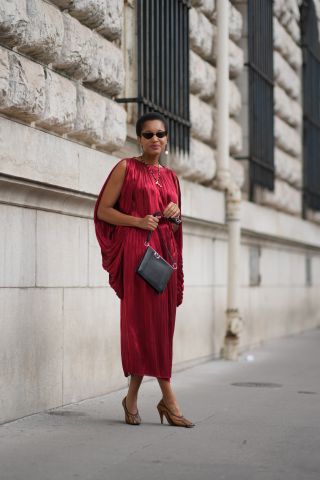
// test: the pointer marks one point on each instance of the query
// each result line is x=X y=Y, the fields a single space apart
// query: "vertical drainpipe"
x=225 y=182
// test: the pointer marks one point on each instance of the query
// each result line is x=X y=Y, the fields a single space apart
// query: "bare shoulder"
x=121 y=166
x=119 y=171
x=113 y=187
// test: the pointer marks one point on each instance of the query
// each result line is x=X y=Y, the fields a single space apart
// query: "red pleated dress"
x=147 y=318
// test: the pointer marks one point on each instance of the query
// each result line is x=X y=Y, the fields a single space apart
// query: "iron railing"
x=311 y=106
x=163 y=65
x=260 y=71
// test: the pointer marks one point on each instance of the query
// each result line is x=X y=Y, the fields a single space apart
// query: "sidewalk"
x=241 y=432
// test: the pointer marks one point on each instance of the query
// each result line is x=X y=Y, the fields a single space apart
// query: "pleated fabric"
x=147 y=319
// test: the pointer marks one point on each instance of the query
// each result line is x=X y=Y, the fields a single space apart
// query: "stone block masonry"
x=51 y=57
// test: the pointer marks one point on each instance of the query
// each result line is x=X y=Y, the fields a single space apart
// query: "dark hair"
x=149 y=116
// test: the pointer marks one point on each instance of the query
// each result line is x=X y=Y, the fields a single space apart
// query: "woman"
x=136 y=188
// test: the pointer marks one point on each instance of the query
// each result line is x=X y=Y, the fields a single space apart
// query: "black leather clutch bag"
x=154 y=269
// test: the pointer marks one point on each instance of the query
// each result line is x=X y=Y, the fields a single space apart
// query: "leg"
x=169 y=397
x=132 y=395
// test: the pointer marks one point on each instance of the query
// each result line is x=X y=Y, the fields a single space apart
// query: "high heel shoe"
x=174 y=420
x=131 y=418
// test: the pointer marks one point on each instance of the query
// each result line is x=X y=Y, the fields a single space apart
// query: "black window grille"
x=163 y=65
x=260 y=72
x=311 y=106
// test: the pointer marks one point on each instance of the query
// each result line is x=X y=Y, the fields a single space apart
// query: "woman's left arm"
x=172 y=209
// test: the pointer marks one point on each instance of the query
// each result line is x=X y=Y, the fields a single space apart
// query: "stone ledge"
x=284 y=197
x=278 y=225
x=40 y=196
x=201 y=205
x=51 y=159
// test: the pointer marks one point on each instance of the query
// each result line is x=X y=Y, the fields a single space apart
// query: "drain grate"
x=307 y=392
x=257 y=384
x=65 y=413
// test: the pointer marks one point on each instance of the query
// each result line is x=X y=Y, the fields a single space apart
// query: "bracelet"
x=176 y=220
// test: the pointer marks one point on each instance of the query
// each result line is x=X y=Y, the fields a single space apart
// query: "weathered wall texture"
x=70 y=90
x=200 y=166
x=287 y=58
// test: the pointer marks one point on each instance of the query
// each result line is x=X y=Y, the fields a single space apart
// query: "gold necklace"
x=152 y=173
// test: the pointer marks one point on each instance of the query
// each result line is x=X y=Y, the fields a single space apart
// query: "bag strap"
x=174 y=265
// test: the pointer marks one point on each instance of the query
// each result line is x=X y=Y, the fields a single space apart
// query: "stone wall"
x=61 y=65
x=287 y=58
x=288 y=116
x=200 y=165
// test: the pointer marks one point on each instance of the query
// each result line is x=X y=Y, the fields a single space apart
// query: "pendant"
x=157 y=183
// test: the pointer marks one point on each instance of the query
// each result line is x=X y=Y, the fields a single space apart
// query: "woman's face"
x=154 y=145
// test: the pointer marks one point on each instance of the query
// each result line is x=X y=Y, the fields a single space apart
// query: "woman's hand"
x=171 y=210
x=149 y=222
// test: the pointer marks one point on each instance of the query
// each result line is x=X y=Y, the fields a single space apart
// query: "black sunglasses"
x=160 y=134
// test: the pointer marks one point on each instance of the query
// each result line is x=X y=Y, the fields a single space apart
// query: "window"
x=163 y=65
x=254 y=265
x=311 y=106
x=260 y=69
x=308 y=269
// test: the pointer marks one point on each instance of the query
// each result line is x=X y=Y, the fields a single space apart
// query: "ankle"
x=132 y=397
x=169 y=401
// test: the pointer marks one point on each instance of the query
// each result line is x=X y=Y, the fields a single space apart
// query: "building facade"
x=73 y=78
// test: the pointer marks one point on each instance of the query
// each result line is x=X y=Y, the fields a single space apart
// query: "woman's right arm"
x=109 y=198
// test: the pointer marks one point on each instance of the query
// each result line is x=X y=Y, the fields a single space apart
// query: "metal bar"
x=146 y=52
x=171 y=72
x=129 y=100
x=165 y=112
x=161 y=52
x=181 y=70
x=139 y=55
x=176 y=71
x=257 y=161
x=311 y=110
x=167 y=54
x=310 y=118
x=259 y=72
x=163 y=65
x=152 y=51
x=187 y=112
x=260 y=95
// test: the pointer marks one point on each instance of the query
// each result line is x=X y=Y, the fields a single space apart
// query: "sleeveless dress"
x=147 y=318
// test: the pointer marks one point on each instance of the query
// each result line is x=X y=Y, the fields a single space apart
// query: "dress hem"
x=147 y=375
